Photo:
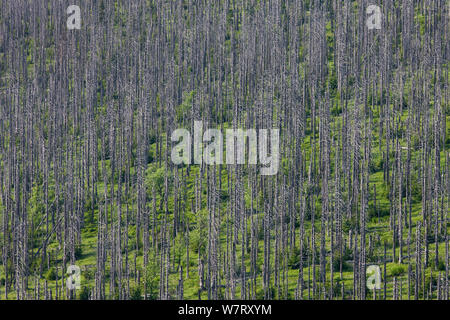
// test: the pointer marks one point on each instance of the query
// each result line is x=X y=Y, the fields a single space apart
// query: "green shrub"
x=441 y=265
x=89 y=274
x=135 y=293
x=294 y=259
x=376 y=165
x=337 y=264
x=397 y=270
x=84 y=294
x=51 y=274
x=78 y=252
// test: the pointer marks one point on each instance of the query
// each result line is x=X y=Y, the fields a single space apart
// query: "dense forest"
x=86 y=171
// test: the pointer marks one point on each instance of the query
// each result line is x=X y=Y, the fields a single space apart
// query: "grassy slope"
x=87 y=260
